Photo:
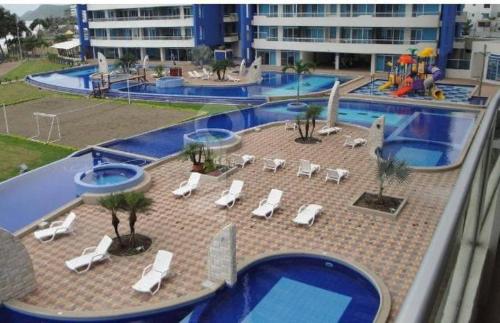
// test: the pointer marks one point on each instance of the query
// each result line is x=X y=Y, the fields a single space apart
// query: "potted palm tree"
x=309 y=117
x=389 y=170
x=135 y=202
x=113 y=203
x=195 y=152
x=299 y=68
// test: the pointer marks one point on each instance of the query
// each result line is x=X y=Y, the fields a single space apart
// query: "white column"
x=372 y=64
x=408 y=10
x=337 y=61
x=280 y=33
x=162 y=54
x=143 y=53
x=120 y=52
x=278 y=58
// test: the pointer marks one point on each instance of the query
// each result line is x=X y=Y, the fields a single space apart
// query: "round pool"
x=214 y=138
x=295 y=288
x=108 y=178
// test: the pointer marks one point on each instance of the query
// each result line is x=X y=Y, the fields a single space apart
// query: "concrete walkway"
x=7 y=67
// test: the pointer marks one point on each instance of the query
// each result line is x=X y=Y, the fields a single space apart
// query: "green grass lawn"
x=15 y=151
x=32 y=66
x=20 y=92
x=199 y=107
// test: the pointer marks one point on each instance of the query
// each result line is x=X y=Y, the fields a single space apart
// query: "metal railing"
x=303 y=14
x=142 y=37
x=446 y=287
x=140 y=18
x=381 y=41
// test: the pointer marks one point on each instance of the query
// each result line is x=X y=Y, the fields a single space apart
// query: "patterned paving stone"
x=393 y=249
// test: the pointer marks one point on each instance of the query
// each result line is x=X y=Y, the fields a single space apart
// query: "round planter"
x=297 y=106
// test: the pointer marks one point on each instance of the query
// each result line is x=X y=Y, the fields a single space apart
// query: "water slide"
x=388 y=84
x=429 y=83
x=402 y=91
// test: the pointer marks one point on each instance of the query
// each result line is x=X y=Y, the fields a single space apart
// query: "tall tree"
x=113 y=203
x=9 y=24
x=135 y=202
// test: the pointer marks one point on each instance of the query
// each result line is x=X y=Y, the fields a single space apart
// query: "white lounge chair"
x=273 y=164
x=307 y=168
x=229 y=197
x=232 y=78
x=307 y=214
x=267 y=206
x=206 y=74
x=197 y=75
x=90 y=255
x=187 y=187
x=349 y=142
x=326 y=130
x=192 y=75
x=154 y=273
x=56 y=228
x=290 y=125
x=336 y=174
x=242 y=160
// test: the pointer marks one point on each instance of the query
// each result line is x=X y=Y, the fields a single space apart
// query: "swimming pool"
x=441 y=134
x=293 y=289
x=454 y=93
x=273 y=84
x=28 y=197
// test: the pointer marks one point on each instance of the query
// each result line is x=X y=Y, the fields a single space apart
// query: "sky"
x=19 y=9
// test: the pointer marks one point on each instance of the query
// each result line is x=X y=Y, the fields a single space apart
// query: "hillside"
x=45 y=11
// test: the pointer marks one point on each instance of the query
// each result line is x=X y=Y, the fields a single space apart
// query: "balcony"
x=371 y=19
x=144 y=41
x=458 y=64
x=139 y=18
x=342 y=45
x=231 y=37
x=141 y=22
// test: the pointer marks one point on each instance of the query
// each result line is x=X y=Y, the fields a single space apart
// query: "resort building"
x=483 y=19
x=333 y=36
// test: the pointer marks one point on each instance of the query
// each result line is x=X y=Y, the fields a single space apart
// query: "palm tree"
x=135 y=202
x=113 y=203
x=221 y=66
x=126 y=61
x=300 y=68
x=194 y=152
x=390 y=170
x=309 y=116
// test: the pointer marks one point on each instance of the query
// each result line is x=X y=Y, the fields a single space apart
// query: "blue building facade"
x=280 y=34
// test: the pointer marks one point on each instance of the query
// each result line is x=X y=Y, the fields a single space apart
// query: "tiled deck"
x=392 y=249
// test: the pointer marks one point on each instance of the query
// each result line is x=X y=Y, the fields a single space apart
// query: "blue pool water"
x=293 y=289
x=108 y=176
x=26 y=198
x=439 y=135
x=455 y=93
x=273 y=84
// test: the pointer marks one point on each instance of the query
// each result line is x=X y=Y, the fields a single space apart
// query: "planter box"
x=205 y=178
x=365 y=210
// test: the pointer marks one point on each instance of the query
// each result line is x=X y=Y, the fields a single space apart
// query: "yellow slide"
x=437 y=94
x=387 y=84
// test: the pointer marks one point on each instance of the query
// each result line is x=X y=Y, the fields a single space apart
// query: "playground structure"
x=415 y=74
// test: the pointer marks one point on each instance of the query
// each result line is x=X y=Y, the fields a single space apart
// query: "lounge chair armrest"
x=302 y=208
x=89 y=249
x=224 y=193
x=56 y=223
x=184 y=183
x=95 y=257
x=262 y=202
x=147 y=269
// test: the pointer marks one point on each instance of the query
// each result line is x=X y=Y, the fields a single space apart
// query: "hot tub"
x=214 y=138
x=108 y=178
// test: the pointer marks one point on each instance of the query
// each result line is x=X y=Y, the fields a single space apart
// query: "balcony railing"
x=449 y=279
x=139 y=18
x=141 y=37
x=381 y=41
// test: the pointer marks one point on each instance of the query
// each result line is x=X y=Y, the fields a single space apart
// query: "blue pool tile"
x=420 y=157
x=293 y=301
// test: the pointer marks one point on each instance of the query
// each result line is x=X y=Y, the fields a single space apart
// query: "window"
x=188 y=31
x=483 y=23
x=289 y=57
x=425 y=9
x=486 y=6
x=459 y=59
x=187 y=12
x=381 y=62
x=423 y=35
x=268 y=56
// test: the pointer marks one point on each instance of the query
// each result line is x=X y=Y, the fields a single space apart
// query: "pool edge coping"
x=247 y=262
